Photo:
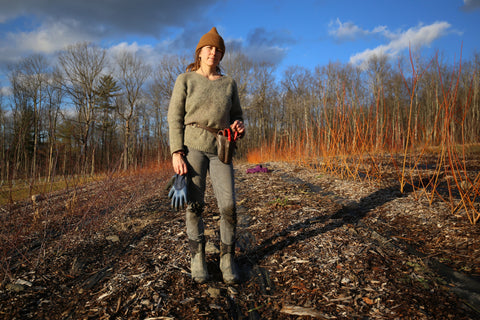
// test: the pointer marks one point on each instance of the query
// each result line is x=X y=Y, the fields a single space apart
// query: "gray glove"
x=178 y=192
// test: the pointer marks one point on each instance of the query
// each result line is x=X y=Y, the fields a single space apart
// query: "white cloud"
x=422 y=35
x=362 y=57
x=48 y=38
x=133 y=48
x=345 y=30
x=147 y=53
x=415 y=37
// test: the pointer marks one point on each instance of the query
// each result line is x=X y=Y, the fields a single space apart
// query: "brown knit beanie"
x=212 y=38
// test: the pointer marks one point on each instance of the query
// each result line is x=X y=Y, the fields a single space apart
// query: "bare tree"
x=159 y=93
x=475 y=99
x=237 y=65
x=3 y=140
x=82 y=65
x=254 y=94
x=53 y=103
x=469 y=96
x=29 y=78
x=22 y=124
x=262 y=109
x=399 y=98
x=132 y=73
x=297 y=86
x=378 y=70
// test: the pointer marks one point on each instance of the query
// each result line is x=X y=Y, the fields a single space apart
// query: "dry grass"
x=78 y=210
x=22 y=189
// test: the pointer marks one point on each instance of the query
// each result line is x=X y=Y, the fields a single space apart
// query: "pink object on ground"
x=258 y=168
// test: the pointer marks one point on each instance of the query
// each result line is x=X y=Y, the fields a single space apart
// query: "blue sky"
x=306 y=33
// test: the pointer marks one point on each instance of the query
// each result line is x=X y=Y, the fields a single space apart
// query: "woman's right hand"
x=179 y=164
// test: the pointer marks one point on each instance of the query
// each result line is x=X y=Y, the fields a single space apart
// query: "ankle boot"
x=198 y=265
x=227 y=264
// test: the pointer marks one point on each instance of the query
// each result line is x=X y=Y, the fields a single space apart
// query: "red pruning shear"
x=228 y=132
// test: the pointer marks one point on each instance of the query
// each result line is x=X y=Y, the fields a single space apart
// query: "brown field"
x=315 y=240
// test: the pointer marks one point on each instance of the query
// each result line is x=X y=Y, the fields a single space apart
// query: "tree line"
x=88 y=112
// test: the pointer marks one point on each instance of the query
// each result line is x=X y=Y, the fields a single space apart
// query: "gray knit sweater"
x=196 y=99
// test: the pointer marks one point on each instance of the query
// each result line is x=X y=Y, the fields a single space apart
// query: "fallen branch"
x=302 y=311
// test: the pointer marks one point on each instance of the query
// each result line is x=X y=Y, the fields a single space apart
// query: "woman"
x=204 y=98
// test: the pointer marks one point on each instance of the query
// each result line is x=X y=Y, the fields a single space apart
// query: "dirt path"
x=309 y=246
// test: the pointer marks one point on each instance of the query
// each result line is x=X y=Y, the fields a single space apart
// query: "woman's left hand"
x=239 y=127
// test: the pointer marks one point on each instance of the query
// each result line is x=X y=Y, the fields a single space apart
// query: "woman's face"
x=210 y=56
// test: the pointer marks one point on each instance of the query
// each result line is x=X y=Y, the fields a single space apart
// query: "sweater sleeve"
x=236 y=110
x=176 y=115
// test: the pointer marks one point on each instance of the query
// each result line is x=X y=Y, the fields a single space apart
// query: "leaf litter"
x=309 y=245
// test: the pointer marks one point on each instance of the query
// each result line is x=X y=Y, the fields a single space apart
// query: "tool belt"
x=226 y=141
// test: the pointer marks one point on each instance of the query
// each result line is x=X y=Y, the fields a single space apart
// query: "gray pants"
x=221 y=176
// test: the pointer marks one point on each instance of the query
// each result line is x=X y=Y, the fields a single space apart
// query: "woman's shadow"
x=350 y=214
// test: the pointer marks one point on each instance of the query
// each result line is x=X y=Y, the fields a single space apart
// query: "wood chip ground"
x=310 y=246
